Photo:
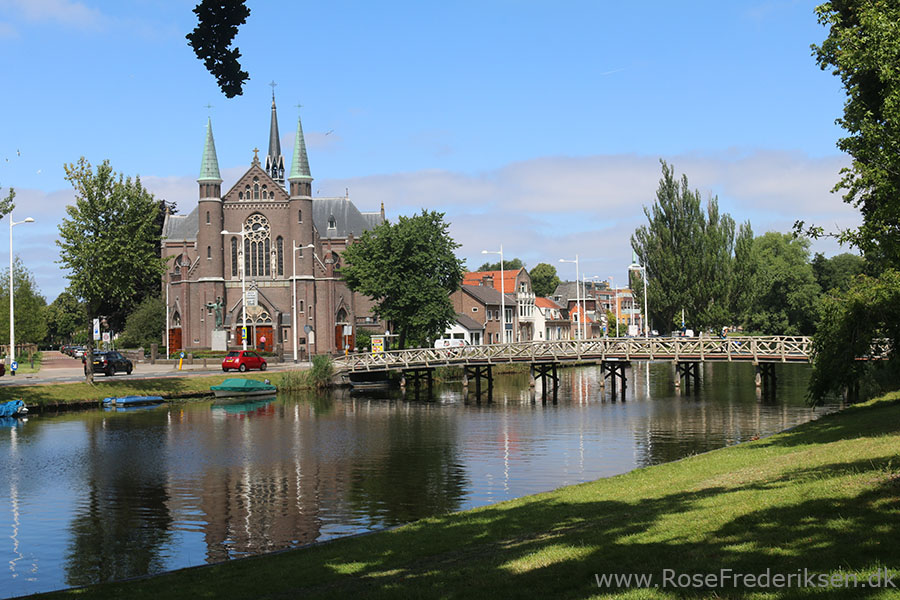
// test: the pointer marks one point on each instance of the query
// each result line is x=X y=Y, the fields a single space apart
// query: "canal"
x=94 y=496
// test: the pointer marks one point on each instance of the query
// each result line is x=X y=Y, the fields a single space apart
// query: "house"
x=481 y=303
x=516 y=284
x=465 y=328
x=551 y=321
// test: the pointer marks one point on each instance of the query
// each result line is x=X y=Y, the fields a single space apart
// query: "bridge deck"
x=744 y=349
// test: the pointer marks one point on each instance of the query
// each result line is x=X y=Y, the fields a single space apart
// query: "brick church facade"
x=263 y=242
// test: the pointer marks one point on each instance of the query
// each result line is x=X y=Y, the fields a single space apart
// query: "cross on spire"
x=273 y=84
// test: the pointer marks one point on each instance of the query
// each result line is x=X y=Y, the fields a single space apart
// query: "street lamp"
x=502 y=292
x=577 y=293
x=243 y=269
x=12 y=320
x=616 y=291
x=646 y=319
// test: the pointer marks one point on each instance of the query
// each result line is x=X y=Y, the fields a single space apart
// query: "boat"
x=370 y=380
x=13 y=408
x=132 y=400
x=243 y=387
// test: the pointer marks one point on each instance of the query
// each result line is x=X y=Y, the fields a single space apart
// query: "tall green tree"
x=784 y=294
x=108 y=242
x=544 y=279
x=863 y=49
x=409 y=269
x=508 y=265
x=145 y=325
x=688 y=254
x=30 y=306
x=838 y=272
x=65 y=320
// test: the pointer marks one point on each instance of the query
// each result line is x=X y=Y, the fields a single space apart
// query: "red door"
x=264 y=338
x=174 y=339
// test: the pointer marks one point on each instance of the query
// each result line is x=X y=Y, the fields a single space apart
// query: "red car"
x=243 y=360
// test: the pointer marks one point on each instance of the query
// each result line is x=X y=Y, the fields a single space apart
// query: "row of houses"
x=574 y=310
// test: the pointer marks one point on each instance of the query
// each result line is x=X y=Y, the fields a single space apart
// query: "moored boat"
x=13 y=408
x=132 y=400
x=234 y=387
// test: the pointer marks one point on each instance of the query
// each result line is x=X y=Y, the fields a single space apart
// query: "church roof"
x=182 y=228
x=300 y=161
x=209 y=164
x=346 y=218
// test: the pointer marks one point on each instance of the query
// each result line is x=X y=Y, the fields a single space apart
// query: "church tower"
x=209 y=235
x=274 y=159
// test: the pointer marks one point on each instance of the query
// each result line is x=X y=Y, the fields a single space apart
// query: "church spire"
x=209 y=165
x=300 y=177
x=274 y=159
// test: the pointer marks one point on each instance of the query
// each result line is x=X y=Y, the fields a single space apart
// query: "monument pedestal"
x=219 y=340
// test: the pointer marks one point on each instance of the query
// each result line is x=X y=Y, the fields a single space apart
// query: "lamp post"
x=577 y=293
x=243 y=269
x=295 y=247
x=616 y=291
x=502 y=292
x=12 y=320
x=646 y=319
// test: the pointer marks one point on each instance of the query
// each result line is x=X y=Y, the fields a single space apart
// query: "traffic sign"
x=182 y=355
x=14 y=365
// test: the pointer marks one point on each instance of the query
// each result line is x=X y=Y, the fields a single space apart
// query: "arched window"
x=176 y=319
x=256 y=188
x=209 y=253
x=265 y=191
x=299 y=216
x=341 y=316
x=331 y=223
x=240 y=195
x=207 y=217
x=234 y=256
x=279 y=249
x=257 y=246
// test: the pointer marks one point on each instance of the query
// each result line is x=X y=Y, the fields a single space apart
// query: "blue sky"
x=534 y=125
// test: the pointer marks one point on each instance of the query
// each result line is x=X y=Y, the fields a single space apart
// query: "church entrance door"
x=174 y=339
x=265 y=337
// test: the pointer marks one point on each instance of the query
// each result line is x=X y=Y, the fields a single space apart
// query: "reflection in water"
x=96 y=496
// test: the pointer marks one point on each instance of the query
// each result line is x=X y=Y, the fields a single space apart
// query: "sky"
x=532 y=125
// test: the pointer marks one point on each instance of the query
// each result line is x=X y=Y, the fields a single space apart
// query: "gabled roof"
x=182 y=228
x=486 y=295
x=546 y=303
x=509 y=278
x=264 y=178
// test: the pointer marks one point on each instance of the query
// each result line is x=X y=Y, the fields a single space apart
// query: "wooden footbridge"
x=613 y=354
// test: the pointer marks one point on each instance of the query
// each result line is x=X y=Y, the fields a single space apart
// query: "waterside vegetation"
x=822 y=497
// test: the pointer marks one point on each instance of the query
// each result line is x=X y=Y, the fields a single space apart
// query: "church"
x=263 y=258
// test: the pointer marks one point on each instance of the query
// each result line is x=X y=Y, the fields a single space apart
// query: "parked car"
x=110 y=363
x=243 y=360
x=78 y=352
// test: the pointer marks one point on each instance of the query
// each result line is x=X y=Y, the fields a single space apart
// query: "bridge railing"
x=744 y=348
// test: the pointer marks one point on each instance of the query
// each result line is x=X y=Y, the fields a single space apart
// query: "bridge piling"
x=614 y=370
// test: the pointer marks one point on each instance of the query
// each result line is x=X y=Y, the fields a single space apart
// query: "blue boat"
x=12 y=408
x=132 y=400
x=243 y=388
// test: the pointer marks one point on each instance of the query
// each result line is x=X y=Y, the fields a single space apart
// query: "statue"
x=216 y=307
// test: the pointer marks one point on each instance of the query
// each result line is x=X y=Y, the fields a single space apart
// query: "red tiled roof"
x=509 y=279
x=546 y=303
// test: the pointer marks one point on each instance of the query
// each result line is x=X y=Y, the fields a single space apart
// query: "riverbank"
x=824 y=497
x=57 y=396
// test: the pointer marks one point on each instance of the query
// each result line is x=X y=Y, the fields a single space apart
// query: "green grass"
x=824 y=496
x=25 y=364
x=48 y=396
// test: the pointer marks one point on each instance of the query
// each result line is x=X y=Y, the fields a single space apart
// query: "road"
x=56 y=367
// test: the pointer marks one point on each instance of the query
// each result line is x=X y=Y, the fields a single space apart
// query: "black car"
x=110 y=363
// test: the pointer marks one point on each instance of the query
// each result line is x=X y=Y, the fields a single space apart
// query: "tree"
x=109 y=242
x=408 y=269
x=218 y=22
x=784 y=294
x=863 y=49
x=508 y=265
x=868 y=312
x=6 y=204
x=687 y=253
x=65 y=320
x=145 y=324
x=838 y=272
x=544 y=279
x=30 y=305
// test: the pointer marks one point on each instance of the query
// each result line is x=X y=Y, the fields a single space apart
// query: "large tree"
x=144 y=324
x=544 y=279
x=783 y=293
x=65 y=319
x=409 y=269
x=863 y=49
x=688 y=254
x=30 y=306
x=109 y=242
x=217 y=24
x=508 y=265
x=838 y=272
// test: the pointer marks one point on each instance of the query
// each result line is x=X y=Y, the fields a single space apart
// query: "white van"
x=450 y=343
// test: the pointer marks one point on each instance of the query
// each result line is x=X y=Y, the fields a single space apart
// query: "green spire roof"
x=209 y=166
x=299 y=162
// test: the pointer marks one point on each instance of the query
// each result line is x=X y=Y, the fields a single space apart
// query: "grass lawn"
x=824 y=497
x=54 y=395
